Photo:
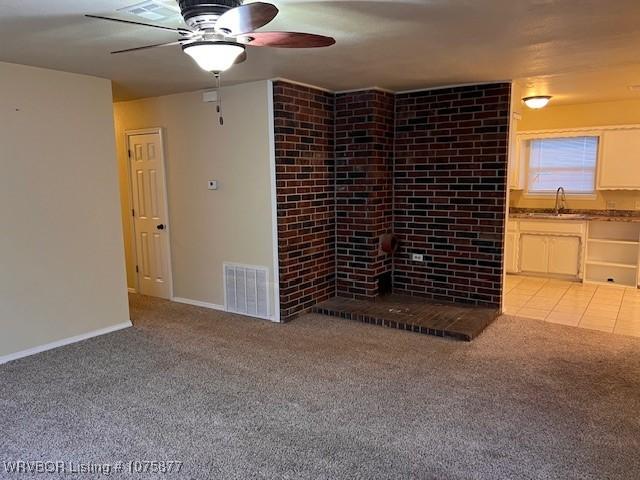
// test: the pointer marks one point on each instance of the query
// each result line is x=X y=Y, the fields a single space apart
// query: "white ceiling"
x=397 y=44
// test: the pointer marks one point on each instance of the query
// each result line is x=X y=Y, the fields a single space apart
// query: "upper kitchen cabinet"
x=517 y=163
x=620 y=160
x=516 y=172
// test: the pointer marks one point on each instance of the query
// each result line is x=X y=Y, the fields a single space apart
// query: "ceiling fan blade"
x=246 y=18
x=289 y=40
x=241 y=58
x=179 y=30
x=179 y=42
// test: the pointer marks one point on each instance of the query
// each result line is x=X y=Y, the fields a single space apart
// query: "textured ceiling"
x=398 y=45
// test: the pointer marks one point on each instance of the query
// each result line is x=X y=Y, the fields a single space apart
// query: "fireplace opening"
x=385 y=284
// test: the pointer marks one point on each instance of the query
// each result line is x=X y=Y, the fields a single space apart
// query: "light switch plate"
x=212 y=184
x=416 y=257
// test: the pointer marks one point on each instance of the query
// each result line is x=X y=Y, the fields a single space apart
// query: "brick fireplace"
x=363 y=189
x=429 y=167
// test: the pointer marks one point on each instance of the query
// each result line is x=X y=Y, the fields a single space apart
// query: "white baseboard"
x=132 y=290
x=63 y=342
x=198 y=303
x=213 y=306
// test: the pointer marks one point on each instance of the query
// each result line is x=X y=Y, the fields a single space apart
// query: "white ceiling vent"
x=246 y=290
x=154 y=10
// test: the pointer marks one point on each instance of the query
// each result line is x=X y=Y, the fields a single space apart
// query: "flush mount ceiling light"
x=537 y=102
x=214 y=56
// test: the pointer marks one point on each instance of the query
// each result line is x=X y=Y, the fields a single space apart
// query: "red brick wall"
x=364 y=188
x=304 y=144
x=450 y=181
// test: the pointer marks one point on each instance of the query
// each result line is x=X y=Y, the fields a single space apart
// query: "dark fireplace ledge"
x=413 y=314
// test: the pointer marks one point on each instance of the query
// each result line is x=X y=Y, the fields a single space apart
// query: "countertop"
x=575 y=215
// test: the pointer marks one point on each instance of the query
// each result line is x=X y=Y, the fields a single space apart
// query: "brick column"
x=364 y=189
x=304 y=133
x=450 y=192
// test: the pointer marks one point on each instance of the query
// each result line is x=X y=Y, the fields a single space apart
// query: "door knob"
x=160 y=227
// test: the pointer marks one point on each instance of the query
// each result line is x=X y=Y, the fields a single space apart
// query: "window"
x=568 y=162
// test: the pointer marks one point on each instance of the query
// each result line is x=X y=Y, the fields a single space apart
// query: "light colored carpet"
x=320 y=398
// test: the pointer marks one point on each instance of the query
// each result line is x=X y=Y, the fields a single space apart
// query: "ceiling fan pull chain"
x=219 y=98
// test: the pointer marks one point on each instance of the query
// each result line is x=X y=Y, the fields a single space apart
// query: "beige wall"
x=581 y=116
x=61 y=257
x=207 y=228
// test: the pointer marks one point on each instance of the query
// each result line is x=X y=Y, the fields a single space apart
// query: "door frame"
x=148 y=131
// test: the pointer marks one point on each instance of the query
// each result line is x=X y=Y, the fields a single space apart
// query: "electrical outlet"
x=416 y=257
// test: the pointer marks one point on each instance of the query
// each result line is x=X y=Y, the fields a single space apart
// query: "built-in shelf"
x=612 y=253
x=606 y=274
x=611 y=264
x=601 y=282
x=613 y=242
x=614 y=231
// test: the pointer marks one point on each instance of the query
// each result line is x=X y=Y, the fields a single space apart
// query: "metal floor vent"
x=246 y=290
x=154 y=10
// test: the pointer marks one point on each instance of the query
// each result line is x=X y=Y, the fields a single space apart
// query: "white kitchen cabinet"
x=517 y=159
x=564 y=255
x=550 y=247
x=516 y=179
x=619 y=165
x=534 y=253
x=511 y=252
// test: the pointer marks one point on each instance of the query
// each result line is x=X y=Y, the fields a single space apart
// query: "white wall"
x=61 y=256
x=208 y=228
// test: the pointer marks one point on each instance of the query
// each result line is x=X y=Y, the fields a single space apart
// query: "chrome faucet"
x=561 y=201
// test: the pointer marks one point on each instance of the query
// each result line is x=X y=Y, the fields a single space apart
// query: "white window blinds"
x=568 y=162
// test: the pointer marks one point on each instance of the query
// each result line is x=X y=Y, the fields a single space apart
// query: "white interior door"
x=148 y=188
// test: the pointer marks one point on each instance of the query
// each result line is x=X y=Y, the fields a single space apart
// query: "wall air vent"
x=154 y=10
x=246 y=290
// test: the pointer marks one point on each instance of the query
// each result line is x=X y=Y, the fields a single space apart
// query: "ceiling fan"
x=220 y=30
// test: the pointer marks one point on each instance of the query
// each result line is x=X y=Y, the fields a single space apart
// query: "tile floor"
x=607 y=308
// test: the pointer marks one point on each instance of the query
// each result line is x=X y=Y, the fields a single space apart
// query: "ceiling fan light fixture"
x=537 y=102
x=214 y=57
